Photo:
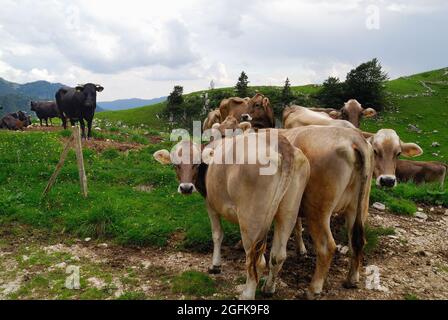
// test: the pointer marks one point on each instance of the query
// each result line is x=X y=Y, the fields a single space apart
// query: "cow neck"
x=200 y=183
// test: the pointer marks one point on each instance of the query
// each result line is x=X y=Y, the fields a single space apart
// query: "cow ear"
x=216 y=126
x=163 y=157
x=217 y=116
x=335 y=114
x=266 y=103
x=411 y=149
x=99 y=88
x=369 y=113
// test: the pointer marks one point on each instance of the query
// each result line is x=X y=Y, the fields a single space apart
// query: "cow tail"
x=287 y=152
x=358 y=235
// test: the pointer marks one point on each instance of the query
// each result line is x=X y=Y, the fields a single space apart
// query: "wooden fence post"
x=80 y=160
x=58 y=166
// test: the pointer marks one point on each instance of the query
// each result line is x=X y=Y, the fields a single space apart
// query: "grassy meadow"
x=133 y=200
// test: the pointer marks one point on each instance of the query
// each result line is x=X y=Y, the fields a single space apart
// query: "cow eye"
x=398 y=154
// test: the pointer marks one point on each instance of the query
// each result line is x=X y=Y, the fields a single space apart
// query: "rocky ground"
x=412 y=264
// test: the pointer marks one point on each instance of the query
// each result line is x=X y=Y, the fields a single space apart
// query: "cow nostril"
x=387 y=182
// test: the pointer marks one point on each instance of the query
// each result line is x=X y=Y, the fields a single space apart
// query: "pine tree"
x=175 y=101
x=287 y=95
x=242 y=85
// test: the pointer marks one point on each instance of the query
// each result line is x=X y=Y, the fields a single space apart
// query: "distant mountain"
x=125 y=104
x=14 y=96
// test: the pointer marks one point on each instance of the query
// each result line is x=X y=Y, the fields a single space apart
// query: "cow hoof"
x=267 y=292
x=214 y=270
x=312 y=296
x=350 y=285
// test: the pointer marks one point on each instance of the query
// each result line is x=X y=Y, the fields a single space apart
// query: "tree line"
x=366 y=83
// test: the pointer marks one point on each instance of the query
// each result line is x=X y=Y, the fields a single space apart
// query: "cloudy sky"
x=143 y=48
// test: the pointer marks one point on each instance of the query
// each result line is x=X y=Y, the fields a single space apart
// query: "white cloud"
x=142 y=48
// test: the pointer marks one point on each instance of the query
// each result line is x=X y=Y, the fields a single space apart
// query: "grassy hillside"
x=419 y=100
x=422 y=101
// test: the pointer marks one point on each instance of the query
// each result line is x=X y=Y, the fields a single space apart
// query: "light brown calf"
x=234 y=106
x=240 y=194
x=421 y=171
x=352 y=111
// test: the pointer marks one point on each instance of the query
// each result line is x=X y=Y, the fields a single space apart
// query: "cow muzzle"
x=387 y=181
x=246 y=117
x=186 y=188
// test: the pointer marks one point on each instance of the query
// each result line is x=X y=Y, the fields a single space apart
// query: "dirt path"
x=413 y=263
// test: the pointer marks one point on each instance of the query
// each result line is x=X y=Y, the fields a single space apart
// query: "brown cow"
x=421 y=171
x=259 y=113
x=212 y=118
x=233 y=106
x=353 y=111
x=256 y=110
x=341 y=163
x=296 y=116
x=232 y=191
x=388 y=148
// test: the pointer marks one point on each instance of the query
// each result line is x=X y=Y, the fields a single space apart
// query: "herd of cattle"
x=326 y=165
x=75 y=104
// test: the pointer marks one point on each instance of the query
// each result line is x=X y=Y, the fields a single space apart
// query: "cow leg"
x=300 y=245
x=83 y=128
x=46 y=122
x=64 y=122
x=325 y=247
x=251 y=261
x=218 y=236
x=284 y=225
x=355 y=261
x=89 y=128
x=51 y=122
x=40 y=119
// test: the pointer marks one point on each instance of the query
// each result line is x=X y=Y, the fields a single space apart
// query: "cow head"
x=388 y=147
x=33 y=106
x=231 y=124
x=89 y=91
x=212 y=118
x=186 y=159
x=352 y=111
x=259 y=112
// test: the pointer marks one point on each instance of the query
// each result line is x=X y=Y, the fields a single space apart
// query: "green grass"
x=113 y=210
x=410 y=296
x=194 y=283
x=373 y=234
x=135 y=117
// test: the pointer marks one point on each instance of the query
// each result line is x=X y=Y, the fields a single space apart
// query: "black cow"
x=45 y=110
x=15 y=121
x=78 y=104
x=22 y=116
